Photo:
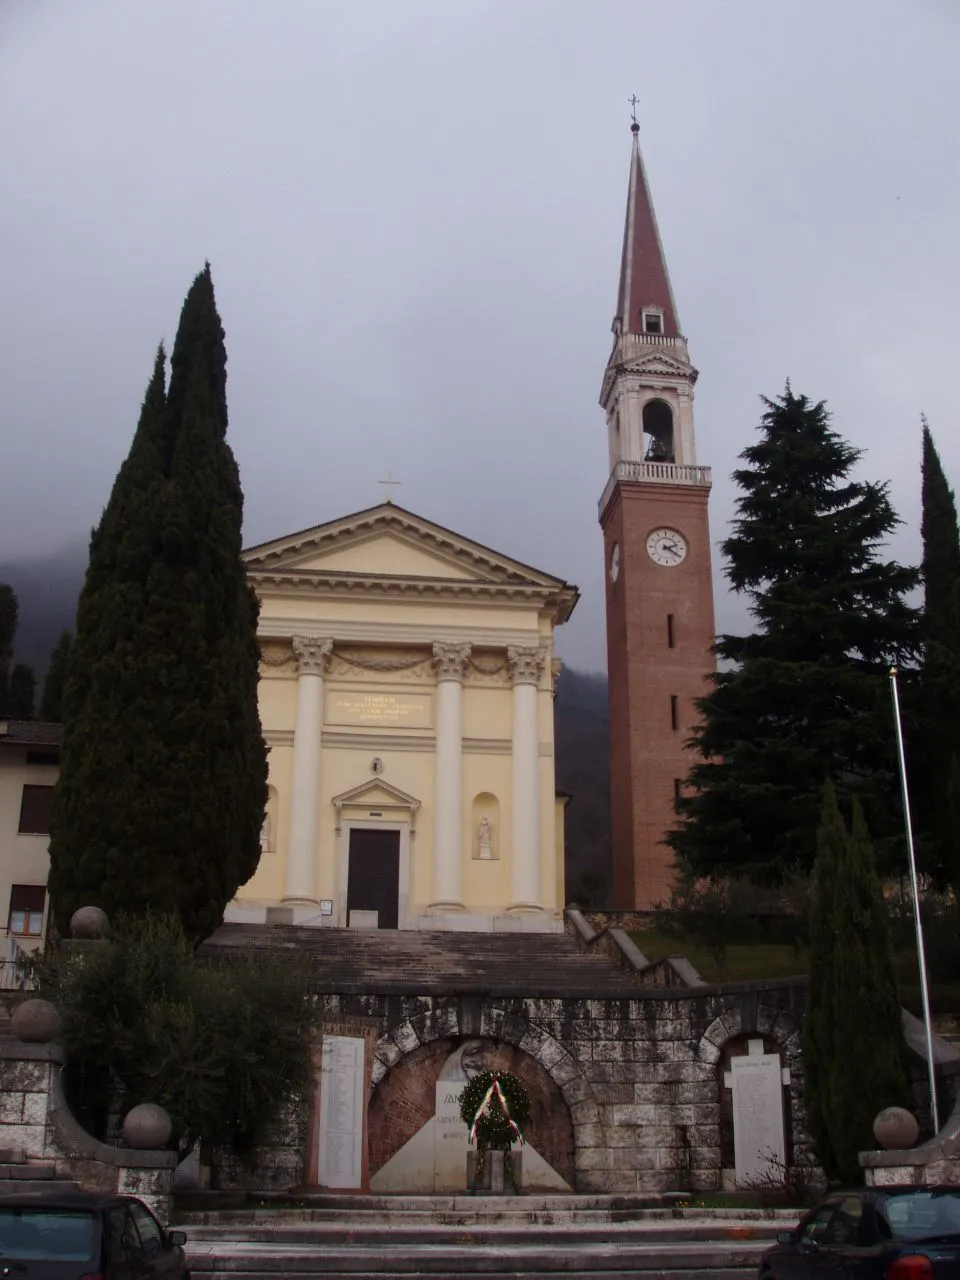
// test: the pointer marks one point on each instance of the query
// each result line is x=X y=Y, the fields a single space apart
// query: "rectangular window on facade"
x=674 y=711
x=652 y=322
x=671 y=638
x=43 y=757
x=35 y=806
x=26 y=909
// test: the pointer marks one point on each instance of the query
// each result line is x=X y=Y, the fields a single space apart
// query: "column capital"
x=313 y=655
x=450 y=660
x=525 y=663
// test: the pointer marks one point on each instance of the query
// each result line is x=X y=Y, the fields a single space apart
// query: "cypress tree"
x=51 y=704
x=163 y=778
x=934 y=757
x=820 y=1018
x=806 y=695
x=853 y=1039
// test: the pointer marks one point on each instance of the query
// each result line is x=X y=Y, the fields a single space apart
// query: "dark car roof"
x=72 y=1200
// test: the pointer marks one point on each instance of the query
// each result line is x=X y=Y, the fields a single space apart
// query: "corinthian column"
x=301 y=880
x=449 y=661
x=525 y=665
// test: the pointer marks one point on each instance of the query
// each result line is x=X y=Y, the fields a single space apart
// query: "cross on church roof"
x=389 y=482
x=633 y=103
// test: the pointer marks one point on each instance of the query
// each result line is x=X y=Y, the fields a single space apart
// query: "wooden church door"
x=373 y=876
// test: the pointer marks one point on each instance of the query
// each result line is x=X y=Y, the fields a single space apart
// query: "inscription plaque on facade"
x=758 y=1135
x=361 y=708
x=341 y=1114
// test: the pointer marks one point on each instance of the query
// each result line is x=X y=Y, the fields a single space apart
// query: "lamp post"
x=924 y=993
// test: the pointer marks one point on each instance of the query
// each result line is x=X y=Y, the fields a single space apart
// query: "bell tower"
x=659 y=592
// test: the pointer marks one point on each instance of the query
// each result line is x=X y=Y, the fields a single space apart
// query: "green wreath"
x=485 y=1114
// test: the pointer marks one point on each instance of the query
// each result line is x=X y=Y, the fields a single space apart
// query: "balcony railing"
x=655 y=473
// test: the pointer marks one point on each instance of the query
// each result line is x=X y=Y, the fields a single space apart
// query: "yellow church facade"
x=406 y=699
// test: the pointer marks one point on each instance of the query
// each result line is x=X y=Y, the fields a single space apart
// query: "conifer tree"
x=806 y=695
x=854 y=1057
x=163 y=777
x=51 y=704
x=935 y=754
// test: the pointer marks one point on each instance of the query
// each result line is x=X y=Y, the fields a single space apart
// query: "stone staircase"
x=384 y=1238
x=19 y=1174
x=441 y=962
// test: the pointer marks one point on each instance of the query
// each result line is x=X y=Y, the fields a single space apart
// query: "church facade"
x=406 y=700
x=659 y=592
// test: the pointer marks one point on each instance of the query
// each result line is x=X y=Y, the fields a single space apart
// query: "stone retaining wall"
x=637 y=1081
x=37 y=1126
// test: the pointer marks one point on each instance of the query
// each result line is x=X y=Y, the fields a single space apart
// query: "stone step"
x=385 y=960
x=320 y=1206
x=39 y=1172
x=332 y=1233
x=548 y=1254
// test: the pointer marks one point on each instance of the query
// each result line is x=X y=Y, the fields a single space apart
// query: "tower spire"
x=645 y=292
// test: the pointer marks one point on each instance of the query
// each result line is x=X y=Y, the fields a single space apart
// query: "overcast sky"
x=413 y=210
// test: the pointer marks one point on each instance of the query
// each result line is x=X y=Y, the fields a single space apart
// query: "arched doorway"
x=418 y=1143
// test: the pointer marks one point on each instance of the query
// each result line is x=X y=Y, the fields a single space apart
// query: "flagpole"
x=924 y=991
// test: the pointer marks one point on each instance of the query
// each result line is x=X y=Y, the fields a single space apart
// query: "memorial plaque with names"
x=451 y=1138
x=340 y=1120
x=758 y=1133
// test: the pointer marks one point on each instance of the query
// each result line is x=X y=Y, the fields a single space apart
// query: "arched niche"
x=658 y=441
x=485 y=827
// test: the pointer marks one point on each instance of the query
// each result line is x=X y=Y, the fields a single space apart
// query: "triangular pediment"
x=659 y=364
x=389 y=542
x=375 y=793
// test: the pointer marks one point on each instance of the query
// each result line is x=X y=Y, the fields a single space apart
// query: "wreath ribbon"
x=485 y=1107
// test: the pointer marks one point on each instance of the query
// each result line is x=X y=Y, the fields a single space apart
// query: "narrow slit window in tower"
x=671 y=637
x=674 y=711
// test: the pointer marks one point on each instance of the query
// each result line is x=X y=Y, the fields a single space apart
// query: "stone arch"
x=443 y=1026
x=658 y=432
x=779 y=1031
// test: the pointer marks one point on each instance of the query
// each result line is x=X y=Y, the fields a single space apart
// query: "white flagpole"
x=924 y=992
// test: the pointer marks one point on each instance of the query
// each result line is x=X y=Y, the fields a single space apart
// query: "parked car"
x=83 y=1236
x=873 y=1233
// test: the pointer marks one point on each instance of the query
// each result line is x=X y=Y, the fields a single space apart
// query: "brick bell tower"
x=657 y=558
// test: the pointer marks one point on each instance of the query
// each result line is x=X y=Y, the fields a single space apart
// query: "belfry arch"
x=658 y=432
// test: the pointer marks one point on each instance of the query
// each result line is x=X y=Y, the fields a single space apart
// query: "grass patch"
x=743 y=962
x=740 y=962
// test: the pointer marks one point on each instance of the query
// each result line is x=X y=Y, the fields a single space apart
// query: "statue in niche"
x=266 y=833
x=485 y=839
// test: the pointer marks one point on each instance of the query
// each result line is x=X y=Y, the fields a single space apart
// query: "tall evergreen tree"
x=805 y=696
x=854 y=1056
x=51 y=704
x=934 y=762
x=163 y=778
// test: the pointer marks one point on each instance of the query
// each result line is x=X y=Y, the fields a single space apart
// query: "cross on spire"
x=633 y=103
x=389 y=482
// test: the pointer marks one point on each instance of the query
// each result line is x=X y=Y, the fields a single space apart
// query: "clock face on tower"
x=666 y=547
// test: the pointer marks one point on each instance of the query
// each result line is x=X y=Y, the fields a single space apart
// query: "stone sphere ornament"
x=35 y=1022
x=88 y=923
x=895 y=1128
x=147 y=1127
